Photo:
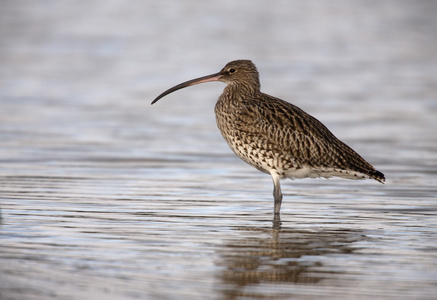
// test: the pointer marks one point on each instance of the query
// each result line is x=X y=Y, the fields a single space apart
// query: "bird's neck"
x=236 y=91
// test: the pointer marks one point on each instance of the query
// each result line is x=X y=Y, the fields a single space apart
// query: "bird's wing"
x=299 y=135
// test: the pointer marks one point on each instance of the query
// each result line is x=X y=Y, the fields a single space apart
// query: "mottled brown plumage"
x=275 y=136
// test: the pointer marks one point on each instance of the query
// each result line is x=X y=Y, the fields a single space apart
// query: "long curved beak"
x=208 y=78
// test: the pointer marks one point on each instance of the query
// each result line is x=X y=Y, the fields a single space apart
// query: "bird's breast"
x=237 y=124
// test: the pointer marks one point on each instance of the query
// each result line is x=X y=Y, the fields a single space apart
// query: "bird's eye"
x=231 y=70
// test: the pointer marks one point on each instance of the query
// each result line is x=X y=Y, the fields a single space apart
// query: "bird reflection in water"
x=287 y=256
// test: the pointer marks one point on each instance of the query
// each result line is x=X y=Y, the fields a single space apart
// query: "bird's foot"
x=276 y=221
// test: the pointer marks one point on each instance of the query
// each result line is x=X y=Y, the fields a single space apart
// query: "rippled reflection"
x=103 y=196
x=284 y=256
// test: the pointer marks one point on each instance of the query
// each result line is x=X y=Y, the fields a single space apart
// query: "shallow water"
x=106 y=197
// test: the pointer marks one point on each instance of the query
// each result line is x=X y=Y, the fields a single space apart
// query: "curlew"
x=275 y=136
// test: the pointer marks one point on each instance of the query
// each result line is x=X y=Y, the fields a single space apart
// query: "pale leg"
x=277 y=194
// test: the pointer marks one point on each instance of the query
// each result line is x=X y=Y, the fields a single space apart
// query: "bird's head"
x=237 y=73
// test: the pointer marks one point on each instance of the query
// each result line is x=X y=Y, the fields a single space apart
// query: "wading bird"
x=275 y=136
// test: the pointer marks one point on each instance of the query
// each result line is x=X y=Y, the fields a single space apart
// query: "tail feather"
x=379 y=176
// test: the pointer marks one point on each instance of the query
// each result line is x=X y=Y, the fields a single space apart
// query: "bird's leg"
x=277 y=195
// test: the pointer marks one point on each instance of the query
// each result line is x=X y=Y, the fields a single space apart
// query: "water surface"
x=103 y=196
